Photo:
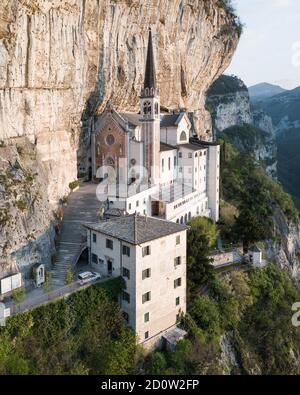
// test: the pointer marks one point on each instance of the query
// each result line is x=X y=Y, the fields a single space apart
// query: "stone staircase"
x=83 y=207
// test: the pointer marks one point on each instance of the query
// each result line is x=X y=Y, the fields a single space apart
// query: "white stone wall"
x=162 y=307
x=213 y=182
x=167 y=175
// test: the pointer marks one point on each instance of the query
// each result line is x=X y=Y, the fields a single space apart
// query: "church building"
x=160 y=167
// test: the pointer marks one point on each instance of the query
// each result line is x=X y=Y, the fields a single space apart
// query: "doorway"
x=109 y=267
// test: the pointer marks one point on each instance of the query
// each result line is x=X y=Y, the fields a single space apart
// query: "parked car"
x=87 y=277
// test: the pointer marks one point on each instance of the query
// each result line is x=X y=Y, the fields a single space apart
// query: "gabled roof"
x=254 y=248
x=131 y=118
x=136 y=229
x=170 y=120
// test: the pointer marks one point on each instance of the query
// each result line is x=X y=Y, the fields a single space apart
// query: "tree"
x=206 y=315
x=201 y=237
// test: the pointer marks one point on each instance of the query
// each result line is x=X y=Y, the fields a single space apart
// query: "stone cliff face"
x=229 y=103
x=59 y=61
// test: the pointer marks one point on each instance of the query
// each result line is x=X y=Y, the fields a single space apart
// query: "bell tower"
x=150 y=117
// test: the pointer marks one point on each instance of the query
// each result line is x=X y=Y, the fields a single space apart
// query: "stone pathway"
x=83 y=207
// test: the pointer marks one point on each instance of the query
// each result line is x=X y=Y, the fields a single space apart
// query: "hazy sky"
x=269 y=50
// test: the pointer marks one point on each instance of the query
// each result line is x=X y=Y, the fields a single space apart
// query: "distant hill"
x=284 y=109
x=263 y=91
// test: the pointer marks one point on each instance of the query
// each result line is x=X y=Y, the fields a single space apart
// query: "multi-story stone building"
x=158 y=166
x=156 y=175
x=150 y=254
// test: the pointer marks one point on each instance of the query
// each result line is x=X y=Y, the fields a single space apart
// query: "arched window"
x=183 y=136
x=190 y=216
x=147 y=108
x=181 y=220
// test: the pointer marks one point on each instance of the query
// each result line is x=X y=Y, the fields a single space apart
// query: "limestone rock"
x=60 y=60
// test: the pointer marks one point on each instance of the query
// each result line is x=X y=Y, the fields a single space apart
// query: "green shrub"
x=74 y=184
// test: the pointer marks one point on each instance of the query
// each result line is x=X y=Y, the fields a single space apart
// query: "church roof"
x=171 y=120
x=166 y=147
x=137 y=229
x=132 y=118
x=150 y=75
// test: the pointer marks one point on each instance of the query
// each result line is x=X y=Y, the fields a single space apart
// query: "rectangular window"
x=94 y=238
x=137 y=203
x=146 y=251
x=180 y=154
x=175 y=161
x=126 y=316
x=146 y=297
x=109 y=244
x=177 y=301
x=180 y=169
x=126 y=273
x=129 y=207
x=162 y=165
x=177 y=261
x=126 y=296
x=94 y=258
x=146 y=274
x=177 y=240
x=190 y=155
x=169 y=163
x=126 y=251
x=146 y=335
x=146 y=317
x=177 y=283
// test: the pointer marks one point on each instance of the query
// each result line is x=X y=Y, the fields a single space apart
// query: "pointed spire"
x=150 y=76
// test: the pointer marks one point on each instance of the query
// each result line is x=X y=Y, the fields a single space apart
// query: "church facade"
x=159 y=167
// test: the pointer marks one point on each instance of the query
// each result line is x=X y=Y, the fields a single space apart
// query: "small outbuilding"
x=39 y=274
x=255 y=256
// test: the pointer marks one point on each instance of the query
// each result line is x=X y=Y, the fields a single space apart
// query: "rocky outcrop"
x=59 y=61
x=286 y=248
x=229 y=103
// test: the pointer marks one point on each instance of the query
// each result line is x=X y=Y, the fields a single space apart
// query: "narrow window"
x=126 y=273
x=126 y=251
x=94 y=238
x=146 y=297
x=177 y=261
x=146 y=317
x=94 y=258
x=177 y=283
x=126 y=297
x=178 y=301
x=146 y=274
x=178 y=238
x=146 y=335
x=109 y=244
x=169 y=163
x=146 y=251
